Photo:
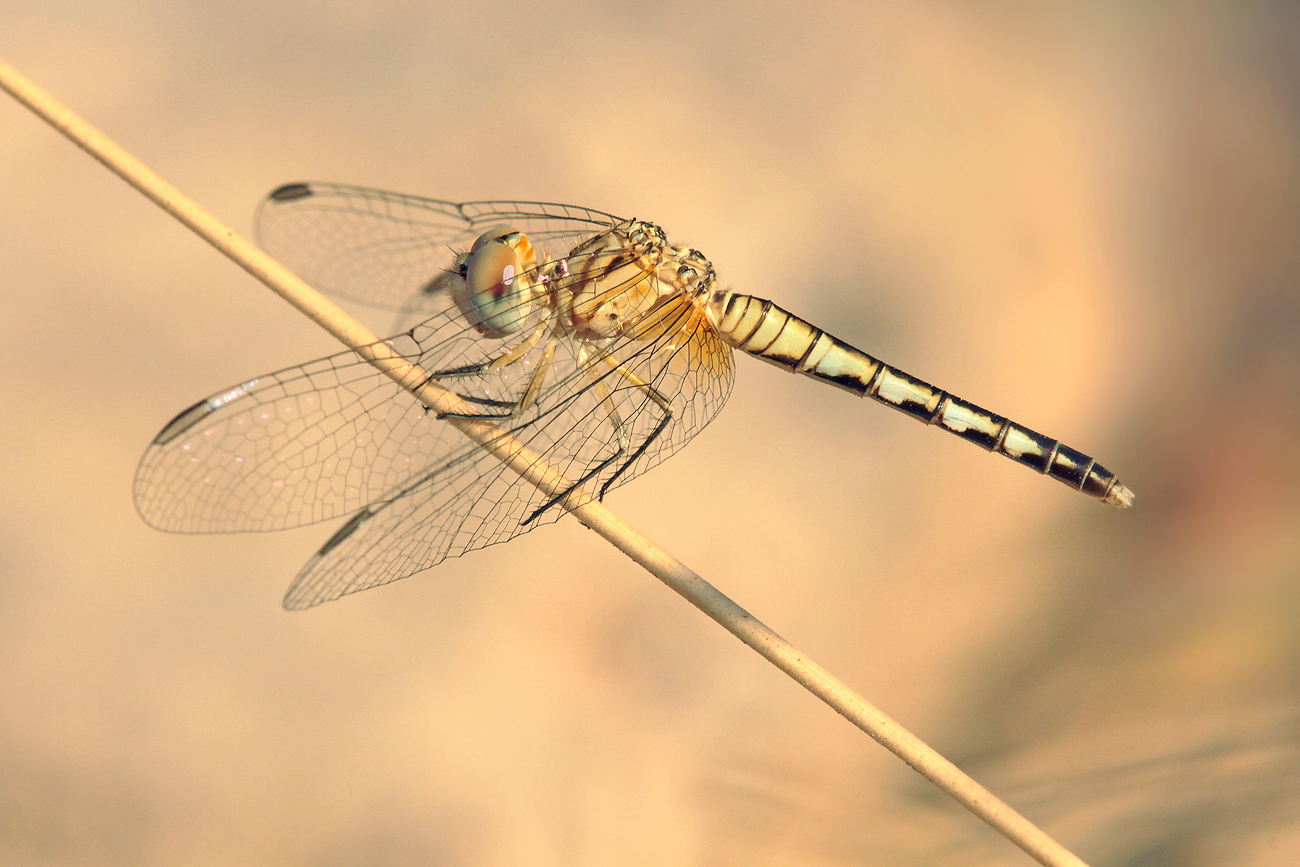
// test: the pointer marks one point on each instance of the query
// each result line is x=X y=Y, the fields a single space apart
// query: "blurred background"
x=1081 y=215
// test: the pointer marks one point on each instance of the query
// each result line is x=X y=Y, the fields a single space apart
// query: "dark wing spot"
x=290 y=192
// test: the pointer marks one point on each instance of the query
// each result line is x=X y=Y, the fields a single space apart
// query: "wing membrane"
x=336 y=437
x=384 y=249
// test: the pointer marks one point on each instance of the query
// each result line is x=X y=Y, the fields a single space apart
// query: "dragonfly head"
x=491 y=284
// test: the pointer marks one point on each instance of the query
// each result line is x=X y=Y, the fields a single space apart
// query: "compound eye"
x=496 y=233
x=496 y=297
x=490 y=272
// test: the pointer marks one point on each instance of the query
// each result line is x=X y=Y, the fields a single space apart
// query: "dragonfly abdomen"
x=765 y=330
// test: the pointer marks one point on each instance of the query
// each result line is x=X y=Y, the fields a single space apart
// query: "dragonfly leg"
x=506 y=358
x=660 y=400
x=511 y=409
x=505 y=408
x=620 y=428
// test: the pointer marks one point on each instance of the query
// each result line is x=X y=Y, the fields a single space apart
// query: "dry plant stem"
x=528 y=464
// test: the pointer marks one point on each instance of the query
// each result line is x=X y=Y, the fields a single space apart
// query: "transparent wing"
x=603 y=430
x=336 y=437
x=385 y=249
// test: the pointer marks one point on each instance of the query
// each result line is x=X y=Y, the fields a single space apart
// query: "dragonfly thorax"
x=613 y=280
x=688 y=272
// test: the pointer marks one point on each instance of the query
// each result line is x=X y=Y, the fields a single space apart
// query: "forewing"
x=387 y=250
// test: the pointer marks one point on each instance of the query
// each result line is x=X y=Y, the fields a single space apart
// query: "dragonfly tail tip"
x=1119 y=496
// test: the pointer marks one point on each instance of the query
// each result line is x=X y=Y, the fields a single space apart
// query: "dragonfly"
x=587 y=338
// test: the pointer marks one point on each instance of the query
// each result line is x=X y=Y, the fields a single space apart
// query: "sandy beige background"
x=1082 y=215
